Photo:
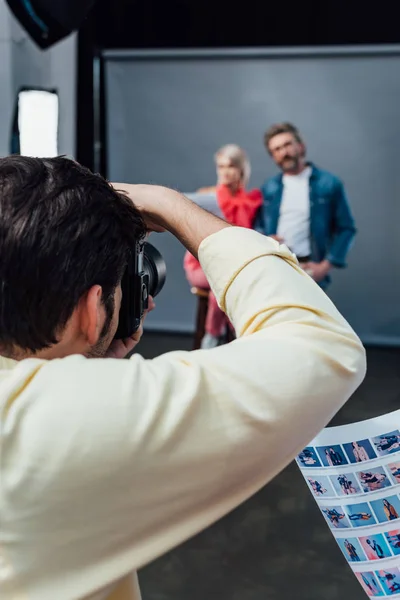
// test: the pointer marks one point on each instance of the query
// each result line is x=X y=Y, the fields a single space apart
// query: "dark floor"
x=276 y=545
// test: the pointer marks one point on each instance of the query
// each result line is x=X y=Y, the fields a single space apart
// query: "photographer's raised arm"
x=141 y=455
x=166 y=209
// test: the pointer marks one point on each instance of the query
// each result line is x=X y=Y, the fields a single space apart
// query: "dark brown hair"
x=279 y=128
x=63 y=229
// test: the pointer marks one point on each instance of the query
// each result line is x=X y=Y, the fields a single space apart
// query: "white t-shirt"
x=294 y=217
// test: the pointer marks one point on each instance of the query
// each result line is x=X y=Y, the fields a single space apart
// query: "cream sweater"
x=106 y=464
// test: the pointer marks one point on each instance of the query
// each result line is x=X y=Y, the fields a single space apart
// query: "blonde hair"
x=238 y=158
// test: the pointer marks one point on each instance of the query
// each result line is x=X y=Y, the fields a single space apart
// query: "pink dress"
x=239 y=209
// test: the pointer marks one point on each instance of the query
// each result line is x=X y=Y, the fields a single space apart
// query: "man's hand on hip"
x=318 y=271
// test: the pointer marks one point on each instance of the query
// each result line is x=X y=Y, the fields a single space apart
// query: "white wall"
x=22 y=63
x=6 y=83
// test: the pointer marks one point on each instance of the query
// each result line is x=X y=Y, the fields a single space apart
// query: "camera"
x=144 y=276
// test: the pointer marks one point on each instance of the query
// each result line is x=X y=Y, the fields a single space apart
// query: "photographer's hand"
x=165 y=209
x=121 y=348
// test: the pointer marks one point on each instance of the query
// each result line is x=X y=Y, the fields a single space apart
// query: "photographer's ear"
x=92 y=315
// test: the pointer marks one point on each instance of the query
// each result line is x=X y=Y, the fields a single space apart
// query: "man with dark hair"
x=305 y=207
x=67 y=229
x=105 y=463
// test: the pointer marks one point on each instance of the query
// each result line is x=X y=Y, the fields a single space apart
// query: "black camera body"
x=144 y=276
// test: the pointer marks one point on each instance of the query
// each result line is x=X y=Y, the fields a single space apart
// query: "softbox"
x=48 y=21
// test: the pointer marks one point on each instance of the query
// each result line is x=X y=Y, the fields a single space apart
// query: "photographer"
x=106 y=463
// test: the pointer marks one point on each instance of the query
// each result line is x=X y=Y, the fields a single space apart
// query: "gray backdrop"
x=167 y=113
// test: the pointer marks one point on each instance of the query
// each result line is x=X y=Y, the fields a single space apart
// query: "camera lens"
x=155 y=267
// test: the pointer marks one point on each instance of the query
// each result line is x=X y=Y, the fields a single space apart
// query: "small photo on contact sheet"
x=390 y=581
x=359 y=451
x=386 y=509
x=372 y=480
x=308 y=458
x=370 y=584
x=320 y=486
x=394 y=470
x=375 y=546
x=332 y=456
x=346 y=484
x=360 y=515
x=393 y=537
x=351 y=549
x=335 y=517
x=387 y=443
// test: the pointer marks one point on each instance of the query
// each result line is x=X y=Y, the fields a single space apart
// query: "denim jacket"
x=332 y=227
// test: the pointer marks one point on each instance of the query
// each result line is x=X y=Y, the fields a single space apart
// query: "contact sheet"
x=353 y=472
